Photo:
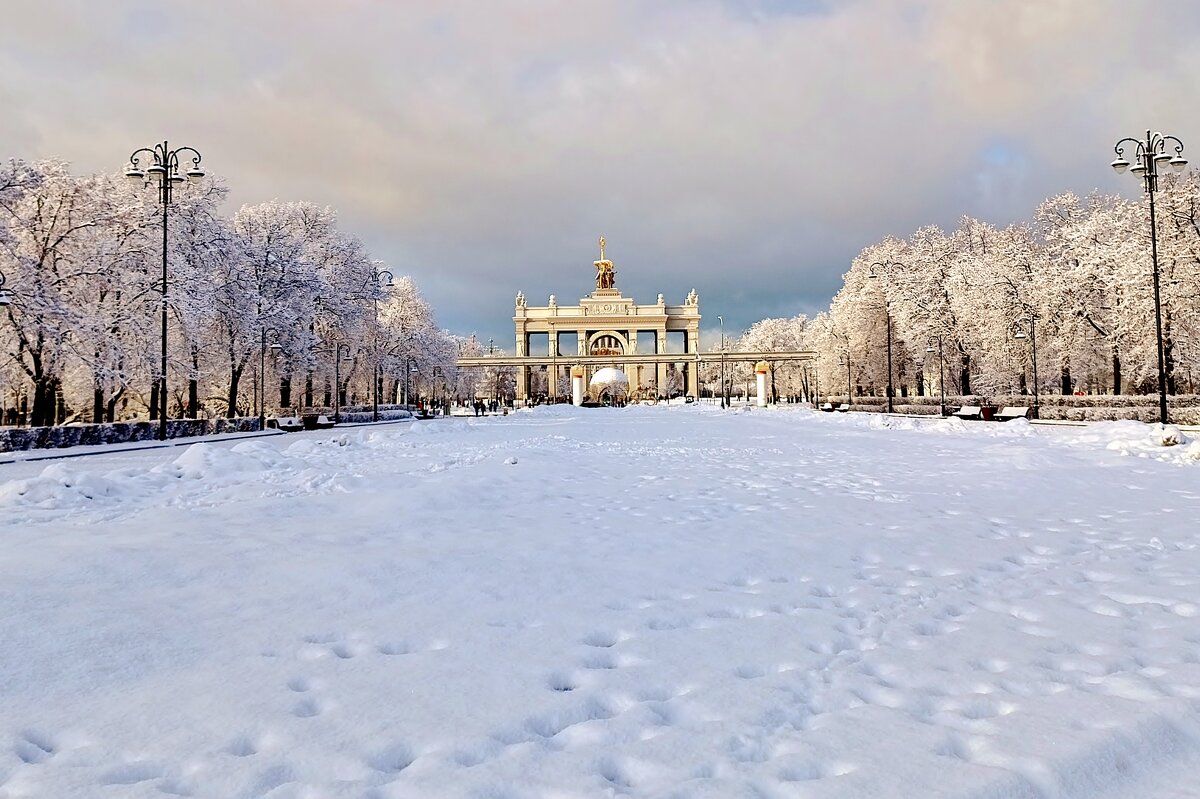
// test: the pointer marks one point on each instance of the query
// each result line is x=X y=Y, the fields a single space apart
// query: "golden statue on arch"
x=605 y=274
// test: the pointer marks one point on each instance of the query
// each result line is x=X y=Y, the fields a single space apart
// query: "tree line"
x=969 y=304
x=271 y=302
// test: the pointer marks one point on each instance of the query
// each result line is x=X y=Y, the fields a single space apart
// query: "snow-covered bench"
x=288 y=424
x=1011 y=412
x=969 y=412
x=827 y=407
x=845 y=406
x=317 y=422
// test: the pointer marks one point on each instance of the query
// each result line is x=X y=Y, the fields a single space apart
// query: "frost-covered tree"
x=82 y=256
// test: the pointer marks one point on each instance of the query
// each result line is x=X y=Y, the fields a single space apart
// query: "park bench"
x=845 y=406
x=1011 y=412
x=827 y=407
x=969 y=412
x=314 y=421
x=288 y=424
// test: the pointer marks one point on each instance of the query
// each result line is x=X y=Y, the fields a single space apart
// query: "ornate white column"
x=760 y=375
x=577 y=373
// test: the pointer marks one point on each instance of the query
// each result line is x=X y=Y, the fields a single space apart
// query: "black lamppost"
x=724 y=393
x=262 y=372
x=164 y=168
x=844 y=360
x=1019 y=333
x=384 y=280
x=876 y=270
x=437 y=375
x=337 y=379
x=1149 y=155
x=495 y=373
x=941 y=373
x=408 y=370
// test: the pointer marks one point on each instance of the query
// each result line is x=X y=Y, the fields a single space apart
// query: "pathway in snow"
x=648 y=602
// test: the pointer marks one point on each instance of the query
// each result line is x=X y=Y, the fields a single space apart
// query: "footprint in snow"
x=34 y=747
x=306 y=709
x=603 y=639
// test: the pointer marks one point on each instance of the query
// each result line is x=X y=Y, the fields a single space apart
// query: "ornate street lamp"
x=164 y=168
x=262 y=372
x=409 y=369
x=724 y=393
x=1149 y=155
x=844 y=360
x=338 y=357
x=878 y=269
x=385 y=280
x=941 y=372
x=1019 y=333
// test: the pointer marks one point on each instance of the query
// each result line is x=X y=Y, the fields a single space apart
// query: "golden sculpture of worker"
x=605 y=274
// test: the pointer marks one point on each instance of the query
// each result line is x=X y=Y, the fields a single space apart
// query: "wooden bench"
x=845 y=406
x=969 y=412
x=1011 y=412
x=288 y=424
x=827 y=407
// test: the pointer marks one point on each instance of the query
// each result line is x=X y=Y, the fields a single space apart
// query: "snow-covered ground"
x=651 y=602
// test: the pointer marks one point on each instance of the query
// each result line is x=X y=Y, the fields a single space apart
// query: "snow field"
x=647 y=602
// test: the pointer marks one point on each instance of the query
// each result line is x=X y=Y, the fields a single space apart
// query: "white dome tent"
x=608 y=385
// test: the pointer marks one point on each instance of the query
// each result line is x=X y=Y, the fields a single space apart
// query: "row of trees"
x=80 y=338
x=1080 y=269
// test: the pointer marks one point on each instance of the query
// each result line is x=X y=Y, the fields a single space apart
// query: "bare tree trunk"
x=235 y=376
x=60 y=403
x=97 y=401
x=194 y=386
x=1116 y=367
x=1169 y=357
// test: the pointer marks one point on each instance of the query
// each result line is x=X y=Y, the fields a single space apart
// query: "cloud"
x=747 y=148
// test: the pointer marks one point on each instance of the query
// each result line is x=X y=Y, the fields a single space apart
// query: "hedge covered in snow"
x=18 y=439
x=1184 y=409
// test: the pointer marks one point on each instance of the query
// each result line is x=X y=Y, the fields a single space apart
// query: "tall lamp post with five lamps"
x=163 y=167
x=1149 y=155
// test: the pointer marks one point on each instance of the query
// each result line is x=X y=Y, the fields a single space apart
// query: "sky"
x=745 y=148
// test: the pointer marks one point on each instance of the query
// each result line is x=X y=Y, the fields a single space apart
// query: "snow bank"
x=642 y=602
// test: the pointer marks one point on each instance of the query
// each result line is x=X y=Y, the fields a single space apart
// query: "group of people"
x=486 y=406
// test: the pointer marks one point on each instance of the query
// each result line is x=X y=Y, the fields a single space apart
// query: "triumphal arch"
x=606 y=328
x=656 y=346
